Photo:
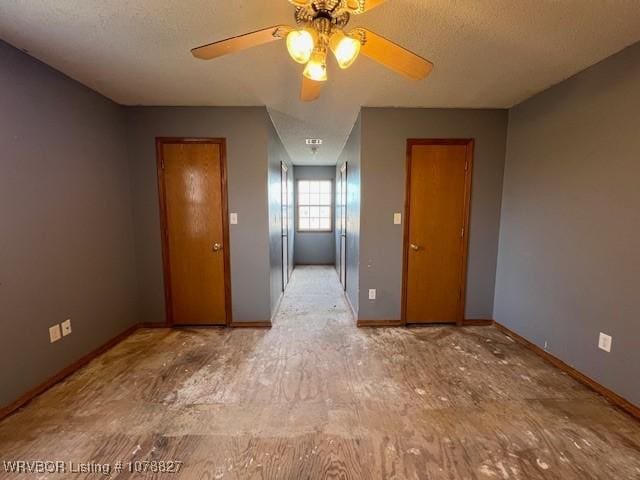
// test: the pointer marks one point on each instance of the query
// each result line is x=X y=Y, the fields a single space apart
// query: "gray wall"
x=246 y=132
x=315 y=248
x=384 y=143
x=277 y=156
x=66 y=239
x=569 y=262
x=351 y=156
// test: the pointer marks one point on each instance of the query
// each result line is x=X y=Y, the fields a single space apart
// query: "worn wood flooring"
x=315 y=397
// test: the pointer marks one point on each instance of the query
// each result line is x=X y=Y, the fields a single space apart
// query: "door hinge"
x=466 y=165
x=462 y=233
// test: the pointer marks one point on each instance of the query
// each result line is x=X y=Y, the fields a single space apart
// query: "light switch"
x=54 y=333
x=397 y=219
x=233 y=218
x=604 y=342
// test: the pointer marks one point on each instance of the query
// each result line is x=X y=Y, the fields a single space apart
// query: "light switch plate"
x=54 y=333
x=372 y=294
x=66 y=327
x=397 y=219
x=233 y=218
x=604 y=342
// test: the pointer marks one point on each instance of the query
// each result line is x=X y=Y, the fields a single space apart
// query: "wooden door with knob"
x=195 y=234
x=436 y=230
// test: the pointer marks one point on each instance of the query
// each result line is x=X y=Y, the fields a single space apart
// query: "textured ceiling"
x=487 y=53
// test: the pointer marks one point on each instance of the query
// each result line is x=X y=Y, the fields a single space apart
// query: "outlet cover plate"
x=66 y=327
x=372 y=294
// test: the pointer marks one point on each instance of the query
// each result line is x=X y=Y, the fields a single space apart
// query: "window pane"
x=315 y=204
x=325 y=199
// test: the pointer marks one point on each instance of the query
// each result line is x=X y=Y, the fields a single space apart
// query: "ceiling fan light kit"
x=345 y=48
x=300 y=44
x=320 y=30
x=316 y=68
x=328 y=35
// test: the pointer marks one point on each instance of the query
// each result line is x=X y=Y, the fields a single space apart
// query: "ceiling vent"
x=314 y=141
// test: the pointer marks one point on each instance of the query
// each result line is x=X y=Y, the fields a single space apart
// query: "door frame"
x=284 y=180
x=343 y=178
x=470 y=144
x=164 y=234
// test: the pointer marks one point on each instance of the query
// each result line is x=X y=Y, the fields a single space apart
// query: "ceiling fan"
x=320 y=28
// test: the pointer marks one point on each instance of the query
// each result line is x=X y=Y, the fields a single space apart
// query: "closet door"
x=192 y=185
x=439 y=183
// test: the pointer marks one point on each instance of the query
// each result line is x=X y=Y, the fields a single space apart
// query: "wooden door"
x=342 y=223
x=192 y=185
x=438 y=193
x=284 y=189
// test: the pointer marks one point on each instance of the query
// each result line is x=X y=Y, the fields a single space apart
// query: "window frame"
x=331 y=206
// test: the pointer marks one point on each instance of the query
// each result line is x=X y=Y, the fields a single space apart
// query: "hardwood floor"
x=315 y=397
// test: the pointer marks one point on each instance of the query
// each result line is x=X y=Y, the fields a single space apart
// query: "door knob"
x=216 y=247
x=415 y=247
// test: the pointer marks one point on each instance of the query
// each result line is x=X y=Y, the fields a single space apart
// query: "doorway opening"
x=316 y=285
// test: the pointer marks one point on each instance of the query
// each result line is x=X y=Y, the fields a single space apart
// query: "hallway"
x=316 y=397
x=314 y=299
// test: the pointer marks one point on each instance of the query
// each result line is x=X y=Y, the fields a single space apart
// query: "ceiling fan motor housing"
x=331 y=10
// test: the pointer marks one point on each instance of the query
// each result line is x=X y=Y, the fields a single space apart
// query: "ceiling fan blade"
x=310 y=90
x=361 y=6
x=299 y=3
x=393 y=56
x=241 y=42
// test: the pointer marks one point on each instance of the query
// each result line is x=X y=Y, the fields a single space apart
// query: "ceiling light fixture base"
x=332 y=10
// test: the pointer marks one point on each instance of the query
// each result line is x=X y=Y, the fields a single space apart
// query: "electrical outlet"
x=604 y=342
x=54 y=333
x=546 y=344
x=397 y=219
x=66 y=327
x=372 y=294
x=233 y=218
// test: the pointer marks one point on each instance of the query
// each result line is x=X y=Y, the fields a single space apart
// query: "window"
x=314 y=205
